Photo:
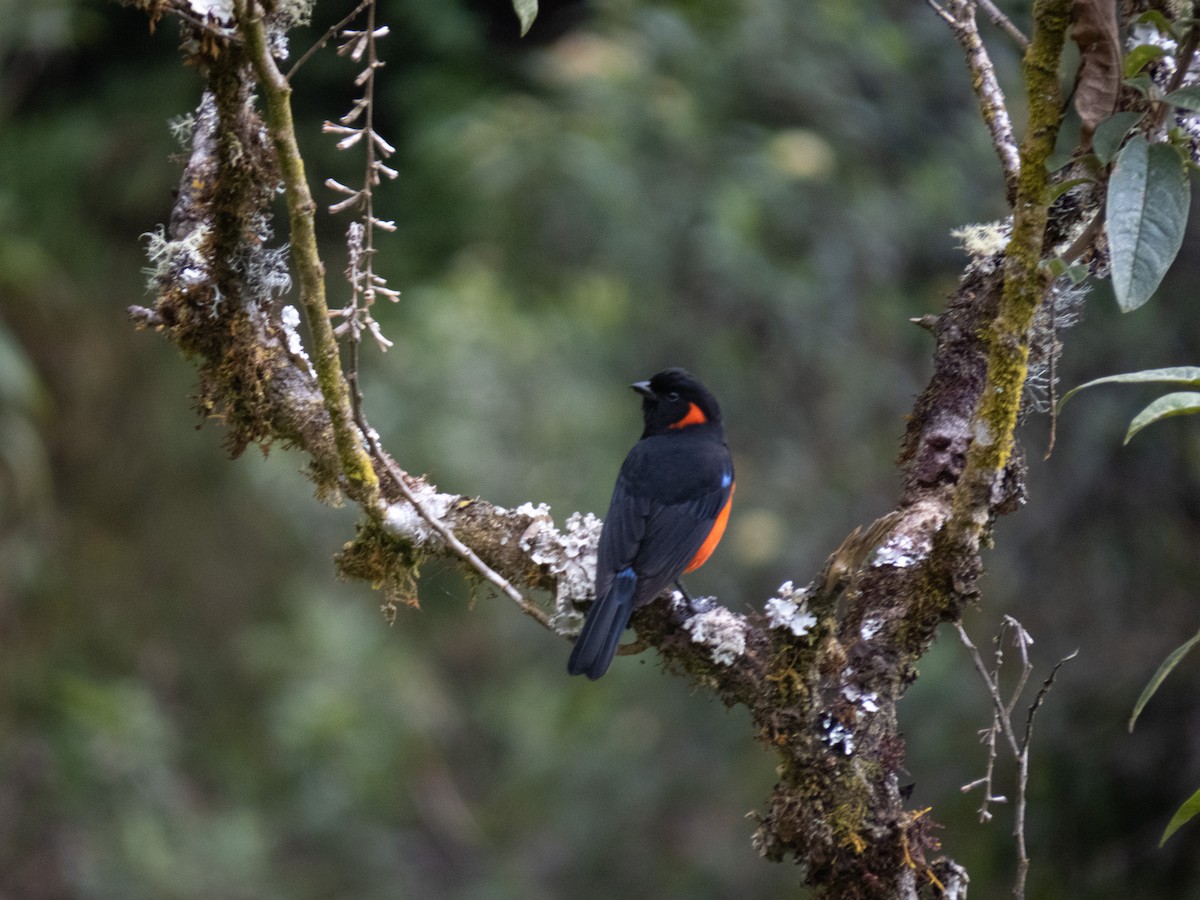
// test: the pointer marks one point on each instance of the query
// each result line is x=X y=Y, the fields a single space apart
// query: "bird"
x=668 y=511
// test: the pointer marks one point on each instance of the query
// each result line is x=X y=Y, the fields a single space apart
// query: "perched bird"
x=668 y=511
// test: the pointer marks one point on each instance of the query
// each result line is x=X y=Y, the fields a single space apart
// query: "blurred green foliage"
x=191 y=706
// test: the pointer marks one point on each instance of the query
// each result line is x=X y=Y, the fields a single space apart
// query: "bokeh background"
x=192 y=706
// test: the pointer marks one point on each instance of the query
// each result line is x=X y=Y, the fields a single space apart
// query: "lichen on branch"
x=823 y=670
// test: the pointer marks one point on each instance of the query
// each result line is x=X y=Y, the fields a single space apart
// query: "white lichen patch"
x=182 y=128
x=982 y=432
x=789 y=610
x=290 y=317
x=869 y=628
x=984 y=240
x=541 y=511
x=837 y=734
x=867 y=701
x=569 y=556
x=901 y=552
x=402 y=520
x=177 y=261
x=221 y=10
x=575 y=569
x=721 y=631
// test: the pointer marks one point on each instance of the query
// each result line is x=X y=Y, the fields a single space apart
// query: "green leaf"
x=1186 y=97
x=1078 y=273
x=526 y=11
x=1140 y=57
x=1164 y=670
x=1183 y=403
x=1111 y=132
x=1143 y=84
x=1158 y=20
x=1148 y=197
x=1188 y=811
x=1058 y=267
x=1189 y=375
x=1060 y=188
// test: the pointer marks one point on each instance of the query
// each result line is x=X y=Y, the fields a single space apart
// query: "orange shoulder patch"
x=694 y=416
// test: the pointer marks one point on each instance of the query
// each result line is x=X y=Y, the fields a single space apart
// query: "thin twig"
x=357 y=127
x=468 y=555
x=1002 y=714
x=1004 y=23
x=1019 y=825
x=960 y=16
x=326 y=38
x=1005 y=725
x=1042 y=692
x=1052 y=386
x=987 y=736
x=945 y=16
x=1023 y=781
x=1022 y=641
x=1183 y=60
x=1080 y=245
x=356 y=395
x=332 y=382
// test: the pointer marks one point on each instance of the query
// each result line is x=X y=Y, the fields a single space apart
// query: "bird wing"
x=662 y=511
x=624 y=528
x=674 y=532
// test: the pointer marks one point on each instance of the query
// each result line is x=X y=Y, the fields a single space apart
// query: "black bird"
x=668 y=511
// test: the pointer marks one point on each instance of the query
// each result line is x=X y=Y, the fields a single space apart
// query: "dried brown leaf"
x=1094 y=29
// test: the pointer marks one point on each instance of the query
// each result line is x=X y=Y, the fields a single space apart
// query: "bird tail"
x=606 y=620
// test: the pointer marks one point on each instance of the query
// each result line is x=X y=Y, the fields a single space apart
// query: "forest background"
x=191 y=705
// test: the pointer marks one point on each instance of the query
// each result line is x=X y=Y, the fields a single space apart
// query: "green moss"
x=1024 y=285
x=388 y=564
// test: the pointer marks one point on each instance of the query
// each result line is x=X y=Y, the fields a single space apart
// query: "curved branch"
x=823 y=669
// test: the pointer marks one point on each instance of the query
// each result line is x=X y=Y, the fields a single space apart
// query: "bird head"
x=674 y=399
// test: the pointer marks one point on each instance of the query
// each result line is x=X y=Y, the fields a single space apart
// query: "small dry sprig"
x=365 y=288
x=1003 y=726
x=358 y=127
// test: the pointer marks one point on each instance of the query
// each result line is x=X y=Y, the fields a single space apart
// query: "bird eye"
x=673 y=396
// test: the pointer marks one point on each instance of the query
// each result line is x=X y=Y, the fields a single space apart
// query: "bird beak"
x=643 y=388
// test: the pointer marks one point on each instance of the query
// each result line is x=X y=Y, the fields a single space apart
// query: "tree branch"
x=355 y=463
x=502 y=584
x=823 y=669
x=960 y=16
x=1025 y=281
x=1005 y=24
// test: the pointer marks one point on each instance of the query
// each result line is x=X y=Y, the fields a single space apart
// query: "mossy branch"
x=1025 y=281
x=362 y=482
x=823 y=693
